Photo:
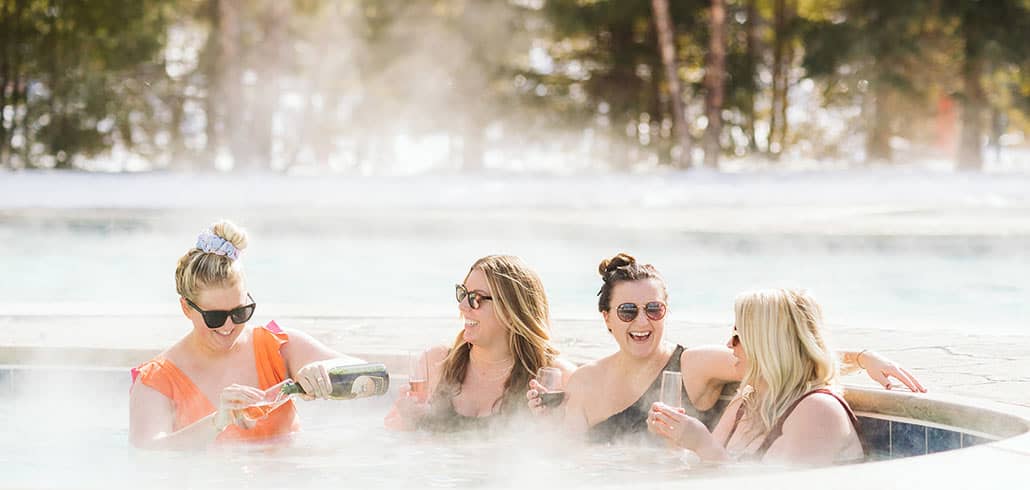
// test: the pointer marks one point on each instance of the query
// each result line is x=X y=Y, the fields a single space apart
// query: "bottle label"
x=363 y=386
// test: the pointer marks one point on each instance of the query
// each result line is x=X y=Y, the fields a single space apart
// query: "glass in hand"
x=551 y=380
x=672 y=389
x=418 y=375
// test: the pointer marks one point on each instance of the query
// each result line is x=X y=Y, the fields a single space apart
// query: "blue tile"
x=876 y=437
x=968 y=440
x=942 y=440
x=907 y=440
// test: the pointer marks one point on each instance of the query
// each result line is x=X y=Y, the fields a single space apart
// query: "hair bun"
x=223 y=238
x=228 y=231
x=608 y=266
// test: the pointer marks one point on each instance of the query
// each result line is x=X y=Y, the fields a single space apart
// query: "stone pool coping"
x=967 y=363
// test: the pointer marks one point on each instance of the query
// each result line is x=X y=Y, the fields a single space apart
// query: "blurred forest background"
x=407 y=86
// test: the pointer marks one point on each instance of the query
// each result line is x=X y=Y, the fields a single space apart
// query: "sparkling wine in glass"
x=672 y=389
x=418 y=375
x=550 y=379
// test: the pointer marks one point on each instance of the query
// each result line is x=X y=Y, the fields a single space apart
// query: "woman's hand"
x=410 y=405
x=882 y=369
x=231 y=404
x=677 y=427
x=407 y=410
x=536 y=404
x=314 y=378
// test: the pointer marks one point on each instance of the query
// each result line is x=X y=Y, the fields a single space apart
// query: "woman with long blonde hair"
x=504 y=342
x=789 y=408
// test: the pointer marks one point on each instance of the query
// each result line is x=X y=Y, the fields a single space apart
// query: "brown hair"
x=623 y=268
x=521 y=305
x=198 y=270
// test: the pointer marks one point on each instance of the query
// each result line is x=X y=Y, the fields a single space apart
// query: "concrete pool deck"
x=991 y=367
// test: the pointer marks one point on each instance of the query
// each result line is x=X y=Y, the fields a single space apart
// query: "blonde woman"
x=790 y=409
x=609 y=399
x=504 y=341
x=204 y=387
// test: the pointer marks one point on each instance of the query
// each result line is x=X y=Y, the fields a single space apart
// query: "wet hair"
x=198 y=270
x=520 y=304
x=623 y=268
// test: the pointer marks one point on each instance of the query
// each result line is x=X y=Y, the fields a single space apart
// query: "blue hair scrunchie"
x=208 y=242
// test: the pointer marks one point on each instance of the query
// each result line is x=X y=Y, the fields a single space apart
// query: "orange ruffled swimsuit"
x=192 y=405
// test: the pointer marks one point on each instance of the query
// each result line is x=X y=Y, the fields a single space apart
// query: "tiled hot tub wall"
x=887 y=439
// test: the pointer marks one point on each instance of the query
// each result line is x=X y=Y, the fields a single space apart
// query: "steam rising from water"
x=66 y=428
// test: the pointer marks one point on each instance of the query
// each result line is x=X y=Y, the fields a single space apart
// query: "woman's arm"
x=305 y=362
x=879 y=368
x=705 y=370
x=151 y=415
x=566 y=367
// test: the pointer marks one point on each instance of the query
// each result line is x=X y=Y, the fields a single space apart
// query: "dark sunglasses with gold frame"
x=475 y=300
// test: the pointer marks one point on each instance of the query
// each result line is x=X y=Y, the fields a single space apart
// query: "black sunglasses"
x=735 y=340
x=216 y=318
x=474 y=299
x=655 y=310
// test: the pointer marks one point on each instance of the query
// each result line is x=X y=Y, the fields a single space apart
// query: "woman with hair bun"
x=790 y=409
x=609 y=399
x=205 y=387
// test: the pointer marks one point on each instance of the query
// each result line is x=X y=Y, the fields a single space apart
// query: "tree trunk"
x=878 y=140
x=715 y=83
x=970 y=156
x=784 y=103
x=58 y=123
x=266 y=102
x=230 y=87
x=666 y=40
x=751 y=85
x=214 y=76
x=773 y=145
x=21 y=98
x=6 y=26
x=14 y=80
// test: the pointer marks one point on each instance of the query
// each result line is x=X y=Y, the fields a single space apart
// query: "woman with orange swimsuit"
x=211 y=385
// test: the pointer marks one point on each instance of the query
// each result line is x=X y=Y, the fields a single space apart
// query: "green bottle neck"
x=291 y=387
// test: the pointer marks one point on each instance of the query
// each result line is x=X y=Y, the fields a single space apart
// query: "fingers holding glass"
x=551 y=391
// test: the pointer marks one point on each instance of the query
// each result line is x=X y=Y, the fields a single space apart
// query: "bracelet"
x=858 y=358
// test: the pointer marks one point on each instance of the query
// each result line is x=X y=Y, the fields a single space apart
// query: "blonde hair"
x=519 y=303
x=779 y=330
x=198 y=270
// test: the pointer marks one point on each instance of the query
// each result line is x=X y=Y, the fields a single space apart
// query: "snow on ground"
x=667 y=189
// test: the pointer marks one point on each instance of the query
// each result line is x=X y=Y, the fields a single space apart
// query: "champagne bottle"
x=350 y=381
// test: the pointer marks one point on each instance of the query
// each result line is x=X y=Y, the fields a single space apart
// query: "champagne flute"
x=672 y=389
x=418 y=374
x=551 y=380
